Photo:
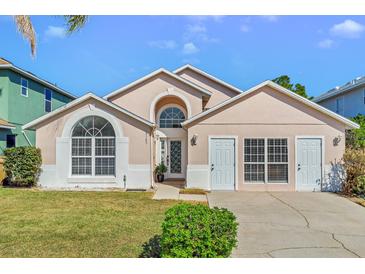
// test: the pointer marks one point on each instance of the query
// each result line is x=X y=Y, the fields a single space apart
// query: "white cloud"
x=55 y=32
x=196 y=28
x=163 y=44
x=348 y=29
x=190 y=48
x=270 y=18
x=326 y=43
x=198 y=32
x=245 y=28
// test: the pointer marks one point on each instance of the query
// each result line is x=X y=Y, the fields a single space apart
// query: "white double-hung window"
x=266 y=160
x=93 y=148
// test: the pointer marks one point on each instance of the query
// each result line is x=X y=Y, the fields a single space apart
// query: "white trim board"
x=7 y=127
x=285 y=91
x=209 y=76
x=152 y=74
x=80 y=100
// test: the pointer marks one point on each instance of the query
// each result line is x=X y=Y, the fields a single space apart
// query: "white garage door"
x=222 y=163
x=309 y=164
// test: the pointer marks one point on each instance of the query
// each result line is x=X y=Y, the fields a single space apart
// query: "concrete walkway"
x=170 y=192
x=295 y=224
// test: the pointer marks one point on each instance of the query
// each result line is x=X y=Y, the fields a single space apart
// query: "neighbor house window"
x=338 y=105
x=266 y=160
x=10 y=140
x=47 y=100
x=24 y=87
x=171 y=117
x=93 y=147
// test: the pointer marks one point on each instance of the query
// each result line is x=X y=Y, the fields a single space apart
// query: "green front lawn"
x=37 y=223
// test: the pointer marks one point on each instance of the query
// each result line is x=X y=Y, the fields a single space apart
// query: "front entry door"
x=172 y=153
x=309 y=164
x=222 y=163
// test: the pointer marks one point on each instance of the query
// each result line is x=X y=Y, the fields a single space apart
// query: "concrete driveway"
x=294 y=224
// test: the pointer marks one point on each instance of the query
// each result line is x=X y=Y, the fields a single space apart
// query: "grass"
x=193 y=191
x=38 y=223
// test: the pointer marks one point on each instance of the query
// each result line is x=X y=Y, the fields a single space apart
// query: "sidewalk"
x=168 y=192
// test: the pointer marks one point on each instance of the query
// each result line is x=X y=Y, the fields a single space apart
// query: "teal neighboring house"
x=23 y=98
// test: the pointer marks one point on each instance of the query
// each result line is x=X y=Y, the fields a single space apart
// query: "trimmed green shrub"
x=197 y=231
x=22 y=165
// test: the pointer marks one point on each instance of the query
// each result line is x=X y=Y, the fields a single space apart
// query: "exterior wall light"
x=194 y=140
x=336 y=140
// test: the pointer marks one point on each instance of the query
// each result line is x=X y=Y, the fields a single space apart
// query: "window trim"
x=266 y=163
x=93 y=156
x=164 y=107
x=254 y=163
x=45 y=99
x=21 y=87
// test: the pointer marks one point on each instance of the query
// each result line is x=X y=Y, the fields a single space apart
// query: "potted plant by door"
x=160 y=170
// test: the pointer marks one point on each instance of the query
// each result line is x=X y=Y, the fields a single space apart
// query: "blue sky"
x=320 y=52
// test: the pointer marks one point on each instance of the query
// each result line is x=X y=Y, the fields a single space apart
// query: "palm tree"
x=25 y=27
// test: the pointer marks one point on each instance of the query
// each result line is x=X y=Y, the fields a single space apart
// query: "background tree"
x=355 y=138
x=25 y=27
x=284 y=81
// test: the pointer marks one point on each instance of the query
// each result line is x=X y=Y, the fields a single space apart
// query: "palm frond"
x=25 y=27
x=75 y=22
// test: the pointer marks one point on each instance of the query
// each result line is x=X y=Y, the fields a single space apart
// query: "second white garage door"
x=222 y=163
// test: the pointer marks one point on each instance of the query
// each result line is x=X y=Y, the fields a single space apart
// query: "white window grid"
x=277 y=160
x=274 y=161
x=24 y=87
x=171 y=117
x=99 y=155
x=47 y=101
x=254 y=159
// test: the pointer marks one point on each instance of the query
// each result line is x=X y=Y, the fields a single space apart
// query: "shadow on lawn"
x=152 y=248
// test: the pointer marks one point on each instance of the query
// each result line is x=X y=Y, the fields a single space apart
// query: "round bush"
x=197 y=231
x=22 y=165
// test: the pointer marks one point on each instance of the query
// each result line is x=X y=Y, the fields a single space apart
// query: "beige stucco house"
x=209 y=134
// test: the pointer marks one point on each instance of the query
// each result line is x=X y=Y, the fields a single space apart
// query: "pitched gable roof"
x=5 y=64
x=207 y=75
x=6 y=125
x=80 y=100
x=154 y=73
x=278 y=88
x=349 y=86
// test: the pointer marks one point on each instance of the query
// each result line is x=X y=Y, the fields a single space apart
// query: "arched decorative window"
x=171 y=117
x=93 y=147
